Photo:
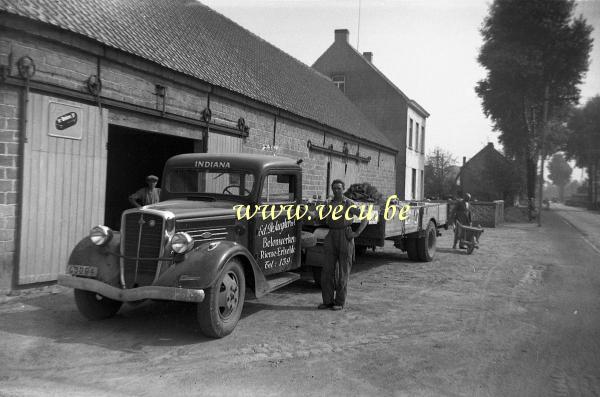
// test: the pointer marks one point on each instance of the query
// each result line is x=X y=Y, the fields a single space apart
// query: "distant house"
x=400 y=118
x=489 y=176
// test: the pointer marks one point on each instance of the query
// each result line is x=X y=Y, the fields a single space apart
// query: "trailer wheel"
x=316 y=271
x=426 y=245
x=94 y=306
x=411 y=249
x=220 y=311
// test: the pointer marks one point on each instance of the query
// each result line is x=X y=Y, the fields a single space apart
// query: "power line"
x=358 y=34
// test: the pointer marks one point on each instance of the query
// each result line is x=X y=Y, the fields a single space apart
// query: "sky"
x=427 y=48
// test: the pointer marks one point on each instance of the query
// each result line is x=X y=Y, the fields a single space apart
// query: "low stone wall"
x=487 y=213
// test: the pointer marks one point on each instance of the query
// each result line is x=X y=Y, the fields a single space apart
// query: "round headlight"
x=100 y=235
x=182 y=242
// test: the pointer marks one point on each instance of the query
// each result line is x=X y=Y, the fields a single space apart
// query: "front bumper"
x=134 y=294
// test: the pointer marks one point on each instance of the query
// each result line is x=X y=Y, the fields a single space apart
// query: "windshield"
x=236 y=183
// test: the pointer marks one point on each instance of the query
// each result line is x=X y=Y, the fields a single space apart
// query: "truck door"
x=277 y=237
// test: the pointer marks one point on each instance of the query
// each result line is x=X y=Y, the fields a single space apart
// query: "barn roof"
x=189 y=37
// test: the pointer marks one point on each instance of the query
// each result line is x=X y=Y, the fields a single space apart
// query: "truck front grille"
x=208 y=229
x=141 y=238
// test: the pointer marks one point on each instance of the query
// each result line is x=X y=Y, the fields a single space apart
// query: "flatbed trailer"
x=417 y=234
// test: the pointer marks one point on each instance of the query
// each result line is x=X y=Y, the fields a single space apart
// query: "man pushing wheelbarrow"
x=466 y=235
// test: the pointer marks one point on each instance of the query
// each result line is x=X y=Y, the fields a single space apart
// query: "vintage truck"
x=193 y=246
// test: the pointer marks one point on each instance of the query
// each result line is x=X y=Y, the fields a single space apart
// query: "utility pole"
x=542 y=153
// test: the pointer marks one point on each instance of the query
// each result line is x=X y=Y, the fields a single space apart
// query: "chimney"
x=368 y=56
x=341 y=35
x=464 y=160
x=491 y=145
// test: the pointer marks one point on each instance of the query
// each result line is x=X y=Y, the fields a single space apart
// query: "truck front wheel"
x=94 y=306
x=220 y=311
x=426 y=245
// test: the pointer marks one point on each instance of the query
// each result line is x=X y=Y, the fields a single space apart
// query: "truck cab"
x=193 y=246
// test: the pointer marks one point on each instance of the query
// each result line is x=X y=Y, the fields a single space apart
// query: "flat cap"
x=152 y=178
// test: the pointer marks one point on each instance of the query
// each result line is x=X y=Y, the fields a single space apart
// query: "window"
x=417 y=138
x=340 y=82
x=410 y=129
x=237 y=183
x=423 y=139
x=422 y=185
x=413 y=184
x=279 y=189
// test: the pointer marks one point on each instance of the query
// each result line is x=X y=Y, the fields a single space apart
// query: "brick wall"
x=9 y=120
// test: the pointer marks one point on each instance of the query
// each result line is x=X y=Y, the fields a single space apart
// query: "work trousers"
x=339 y=255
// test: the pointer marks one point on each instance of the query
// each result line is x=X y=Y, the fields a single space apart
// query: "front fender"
x=202 y=267
x=88 y=254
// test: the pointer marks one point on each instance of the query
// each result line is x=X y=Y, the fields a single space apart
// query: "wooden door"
x=64 y=179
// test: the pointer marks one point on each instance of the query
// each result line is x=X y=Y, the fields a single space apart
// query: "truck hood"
x=192 y=208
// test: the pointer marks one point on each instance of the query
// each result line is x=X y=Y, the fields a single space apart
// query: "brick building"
x=489 y=176
x=95 y=95
x=400 y=118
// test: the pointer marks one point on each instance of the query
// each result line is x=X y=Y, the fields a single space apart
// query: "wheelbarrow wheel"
x=470 y=245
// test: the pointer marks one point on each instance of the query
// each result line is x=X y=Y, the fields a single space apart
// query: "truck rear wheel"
x=94 y=306
x=426 y=245
x=411 y=249
x=220 y=311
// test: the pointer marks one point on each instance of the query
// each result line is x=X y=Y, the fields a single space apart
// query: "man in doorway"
x=146 y=195
x=339 y=249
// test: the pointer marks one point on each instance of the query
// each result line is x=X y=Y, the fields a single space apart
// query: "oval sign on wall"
x=65 y=121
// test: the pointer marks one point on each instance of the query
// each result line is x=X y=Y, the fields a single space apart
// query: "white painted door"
x=64 y=179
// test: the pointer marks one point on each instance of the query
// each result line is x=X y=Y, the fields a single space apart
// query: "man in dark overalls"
x=339 y=249
x=462 y=214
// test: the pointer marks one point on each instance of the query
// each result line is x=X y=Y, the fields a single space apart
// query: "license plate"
x=79 y=270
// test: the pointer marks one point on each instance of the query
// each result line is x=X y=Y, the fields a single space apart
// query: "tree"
x=583 y=143
x=560 y=173
x=535 y=54
x=440 y=173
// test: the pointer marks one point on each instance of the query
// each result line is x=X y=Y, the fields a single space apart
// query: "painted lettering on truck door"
x=276 y=240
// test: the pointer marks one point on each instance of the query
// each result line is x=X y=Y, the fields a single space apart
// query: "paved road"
x=519 y=317
x=586 y=222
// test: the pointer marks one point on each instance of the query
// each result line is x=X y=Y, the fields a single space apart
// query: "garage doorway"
x=131 y=156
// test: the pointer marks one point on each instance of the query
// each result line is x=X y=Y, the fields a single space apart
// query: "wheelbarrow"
x=468 y=236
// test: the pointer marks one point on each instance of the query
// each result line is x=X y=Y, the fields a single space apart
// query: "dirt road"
x=521 y=316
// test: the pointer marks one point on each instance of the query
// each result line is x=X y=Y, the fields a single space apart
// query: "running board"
x=281 y=280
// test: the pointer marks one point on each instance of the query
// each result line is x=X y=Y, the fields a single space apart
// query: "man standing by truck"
x=339 y=248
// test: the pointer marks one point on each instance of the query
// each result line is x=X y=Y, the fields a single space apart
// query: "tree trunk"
x=531 y=175
x=561 y=193
x=591 y=178
x=593 y=189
